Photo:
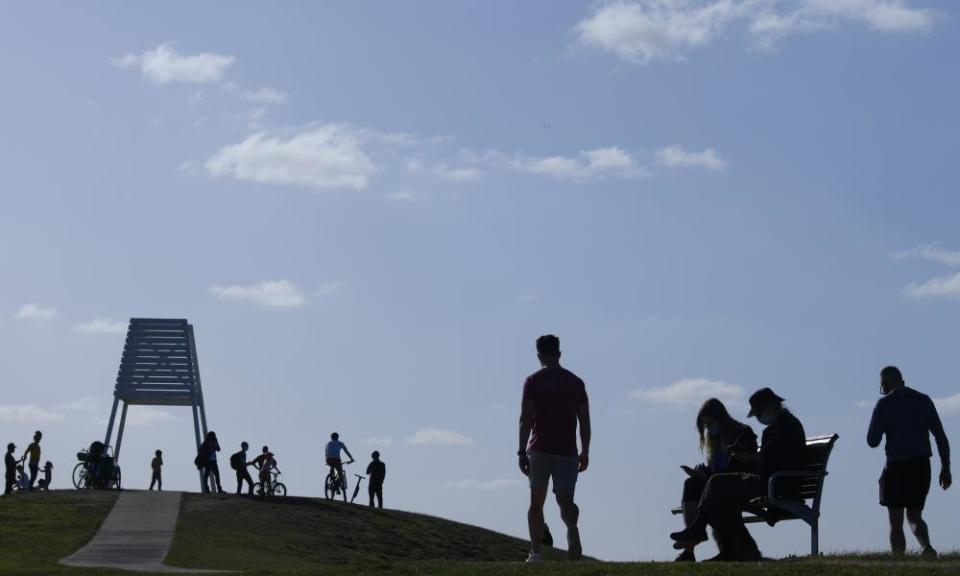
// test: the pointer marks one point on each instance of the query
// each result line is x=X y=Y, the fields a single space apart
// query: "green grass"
x=38 y=529
x=299 y=536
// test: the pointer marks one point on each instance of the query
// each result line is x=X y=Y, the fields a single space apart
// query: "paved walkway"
x=135 y=536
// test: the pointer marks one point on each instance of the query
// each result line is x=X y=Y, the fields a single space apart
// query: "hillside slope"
x=231 y=533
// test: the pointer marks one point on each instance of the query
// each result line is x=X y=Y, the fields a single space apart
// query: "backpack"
x=237 y=460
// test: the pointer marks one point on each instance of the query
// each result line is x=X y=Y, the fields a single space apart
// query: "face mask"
x=713 y=430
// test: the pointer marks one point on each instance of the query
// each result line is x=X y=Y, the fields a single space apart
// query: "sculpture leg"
x=123 y=422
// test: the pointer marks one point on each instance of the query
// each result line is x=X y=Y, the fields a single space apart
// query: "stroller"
x=96 y=469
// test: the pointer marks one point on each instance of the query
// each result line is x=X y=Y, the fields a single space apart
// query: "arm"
x=583 y=416
x=875 y=432
x=943 y=446
x=527 y=411
x=348 y=453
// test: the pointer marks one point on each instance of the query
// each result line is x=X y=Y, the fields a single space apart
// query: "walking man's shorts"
x=563 y=470
x=905 y=484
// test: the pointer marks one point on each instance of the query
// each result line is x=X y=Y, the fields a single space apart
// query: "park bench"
x=811 y=488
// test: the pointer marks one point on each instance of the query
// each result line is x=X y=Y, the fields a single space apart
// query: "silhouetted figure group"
x=736 y=474
x=23 y=473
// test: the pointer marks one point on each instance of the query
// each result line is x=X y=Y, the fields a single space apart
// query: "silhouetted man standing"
x=33 y=456
x=377 y=471
x=554 y=402
x=239 y=463
x=907 y=418
x=10 y=469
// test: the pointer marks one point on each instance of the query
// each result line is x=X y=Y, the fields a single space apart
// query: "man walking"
x=377 y=471
x=33 y=463
x=554 y=402
x=156 y=467
x=907 y=418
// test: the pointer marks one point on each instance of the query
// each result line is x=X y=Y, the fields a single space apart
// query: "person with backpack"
x=206 y=461
x=239 y=463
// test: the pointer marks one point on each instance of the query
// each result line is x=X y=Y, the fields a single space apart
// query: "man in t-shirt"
x=377 y=471
x=907 y=418
x=33 y=458
x=332 y=454
x=554 y=402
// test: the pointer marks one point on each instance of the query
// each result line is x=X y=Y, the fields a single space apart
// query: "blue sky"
x=369 y=212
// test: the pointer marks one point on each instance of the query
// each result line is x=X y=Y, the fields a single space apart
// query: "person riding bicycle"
x=332 y=453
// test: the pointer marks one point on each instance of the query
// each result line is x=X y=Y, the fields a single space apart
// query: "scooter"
x=356 y=489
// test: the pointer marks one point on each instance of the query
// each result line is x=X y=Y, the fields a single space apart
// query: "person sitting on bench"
x=720 y=437
x=726 y=496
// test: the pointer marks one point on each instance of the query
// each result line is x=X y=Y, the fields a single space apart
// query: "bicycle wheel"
x=116 y=479
x=343 y=486
x=279 y=489
x=328 y=487
x=80 y=476
x=258 y=489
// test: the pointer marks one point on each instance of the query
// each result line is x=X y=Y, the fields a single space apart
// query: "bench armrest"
x=771 y=493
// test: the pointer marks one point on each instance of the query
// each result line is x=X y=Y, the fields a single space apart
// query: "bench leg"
x=815 y=539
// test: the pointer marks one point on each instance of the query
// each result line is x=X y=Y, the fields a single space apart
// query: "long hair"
x=715 y=410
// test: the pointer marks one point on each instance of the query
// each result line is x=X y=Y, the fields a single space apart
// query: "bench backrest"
x=818 y=454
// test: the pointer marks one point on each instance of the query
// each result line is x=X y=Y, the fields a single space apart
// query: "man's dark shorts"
x=905 y=484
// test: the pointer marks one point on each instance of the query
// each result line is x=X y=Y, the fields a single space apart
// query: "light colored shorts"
x=563 y=470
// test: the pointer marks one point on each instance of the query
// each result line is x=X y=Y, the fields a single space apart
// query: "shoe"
x=574 y=548
x=689 y=537
x=723 y=557
x=929 y=553
x=686 y=556
x=534 y=558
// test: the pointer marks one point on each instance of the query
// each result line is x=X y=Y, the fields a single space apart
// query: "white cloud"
x=437 y=436
x=325 y=156
x=380 y=441
x=101 y=326
x=940 y=287
x=163 y=65
x=690 y=392
x=931 y=252
x=265 y=95
x=143 y=416
x=483 y=485
x=586 y=164
x=275 y=293
x=677 y=157
x=28 y=413
x=643 y=30
x=949 y=406
x=34 y=312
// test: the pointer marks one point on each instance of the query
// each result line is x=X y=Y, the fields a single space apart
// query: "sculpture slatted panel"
x=158 y=364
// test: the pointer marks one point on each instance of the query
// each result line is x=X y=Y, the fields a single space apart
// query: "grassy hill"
x=306 y=536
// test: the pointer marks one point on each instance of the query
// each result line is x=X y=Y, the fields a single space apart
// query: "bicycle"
x=274 y=486
x=336 y=483
x=96 y=469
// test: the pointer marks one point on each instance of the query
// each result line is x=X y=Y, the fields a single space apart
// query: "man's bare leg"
x=535 y=518
x=570 y=514
x=898 y=541
x=920 y=530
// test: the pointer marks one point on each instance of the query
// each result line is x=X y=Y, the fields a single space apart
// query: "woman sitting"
x=721 y=438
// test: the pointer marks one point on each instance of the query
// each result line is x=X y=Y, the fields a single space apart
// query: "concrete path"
x=135 y=536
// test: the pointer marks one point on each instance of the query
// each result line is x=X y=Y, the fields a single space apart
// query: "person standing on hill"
x=33 y=463
x=156 y=466
x=10 y=469
x=239 y=463
x=207 y=462
x=377 y=471
x=554 y=403
x=907 y=418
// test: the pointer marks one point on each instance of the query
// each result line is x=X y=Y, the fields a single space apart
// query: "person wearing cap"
x=10 y=469
x=726 y=496
x=907 y=418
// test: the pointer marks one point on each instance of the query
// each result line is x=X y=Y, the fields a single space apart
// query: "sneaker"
x=690 y=537
x=929 y=553
x=535 y=558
